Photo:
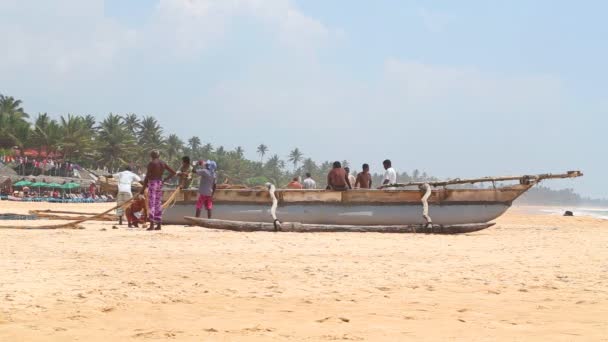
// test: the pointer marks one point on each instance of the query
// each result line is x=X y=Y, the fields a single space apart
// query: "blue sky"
x=456 y=88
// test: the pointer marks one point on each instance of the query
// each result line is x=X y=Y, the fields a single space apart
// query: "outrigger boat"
x=428 y=207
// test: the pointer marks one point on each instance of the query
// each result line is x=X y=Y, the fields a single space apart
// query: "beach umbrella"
x=53 y=185
x=38 y=185
x=23 y=183
x=70 y=186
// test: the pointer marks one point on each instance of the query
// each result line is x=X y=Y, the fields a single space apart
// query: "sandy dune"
x=531 y=277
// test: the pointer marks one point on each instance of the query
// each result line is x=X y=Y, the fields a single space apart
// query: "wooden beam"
x=525 y=179
x=241 y=226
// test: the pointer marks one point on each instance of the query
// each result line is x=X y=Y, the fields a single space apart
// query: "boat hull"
x=357 y=207
x=347 y=215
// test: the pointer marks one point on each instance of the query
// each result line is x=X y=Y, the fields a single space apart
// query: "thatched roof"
x=7 y=171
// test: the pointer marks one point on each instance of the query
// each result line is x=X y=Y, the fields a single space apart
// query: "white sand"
x=532 y=277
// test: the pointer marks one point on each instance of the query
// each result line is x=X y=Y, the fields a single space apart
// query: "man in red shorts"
x=206 y=187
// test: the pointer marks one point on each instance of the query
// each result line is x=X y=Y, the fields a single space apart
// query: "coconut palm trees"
x=206 y=151
x=240 y=152
x=262 y=149
x=118 y=146
x=132 y=123
x=46 y=133
x=150 y=135
x=12 y=108
x=13 y=124
x=194 y=144
x=173 y=147
x=295 y=156
x=115 y=141
x=76 y=138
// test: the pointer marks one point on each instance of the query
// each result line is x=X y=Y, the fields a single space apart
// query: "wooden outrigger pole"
x=525 y=179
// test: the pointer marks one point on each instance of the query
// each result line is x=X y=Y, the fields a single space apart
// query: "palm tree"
x=46 y=133
x=132 y=123
x=262 y=149
x=174 y=146
x=89 y=123
x=220 y=151
x=12 y=118
x=75 y=137
x=309 y=166
x=117 y=144
x=150 y=135
x=194 y=143
x=239 y=151
x=206 y=150
x=295 y=157
x=11 y=107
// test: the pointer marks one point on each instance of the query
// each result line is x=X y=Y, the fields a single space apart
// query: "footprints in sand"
x=157 y=334
x=344 y=337
x=333 y=319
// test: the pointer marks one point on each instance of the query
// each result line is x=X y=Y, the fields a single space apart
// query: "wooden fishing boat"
x=428 y=203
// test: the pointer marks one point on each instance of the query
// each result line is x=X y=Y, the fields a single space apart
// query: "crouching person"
x=137 y=212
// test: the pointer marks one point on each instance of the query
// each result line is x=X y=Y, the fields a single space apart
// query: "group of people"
x=138 y=212
x=340 y=178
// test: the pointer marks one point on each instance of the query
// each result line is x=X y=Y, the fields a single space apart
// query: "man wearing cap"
x=206 y=188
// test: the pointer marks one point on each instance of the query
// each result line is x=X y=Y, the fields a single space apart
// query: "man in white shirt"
x=124 y=179
x=390 y=175
x=309 y=183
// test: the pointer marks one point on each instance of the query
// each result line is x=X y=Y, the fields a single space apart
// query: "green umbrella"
x=38 y=184
x=23 y=183
x=53 y=185
x=70 y=186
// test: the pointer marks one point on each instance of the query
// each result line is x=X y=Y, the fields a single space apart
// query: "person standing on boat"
x=124 y=178
x=295 y=184
x=206 y=187
x=364 y=178
x=351 y=178
x=337 y=179
x=390 y=175
x=308 y=182
x=154 y=183
x=185 y=173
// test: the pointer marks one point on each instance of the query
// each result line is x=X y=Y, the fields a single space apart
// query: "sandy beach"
x=531 y=277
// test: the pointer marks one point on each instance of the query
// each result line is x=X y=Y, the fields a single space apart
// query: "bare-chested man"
x=364 y=178
x=154 y=182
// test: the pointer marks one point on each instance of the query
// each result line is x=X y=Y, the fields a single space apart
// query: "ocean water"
x=601 y=213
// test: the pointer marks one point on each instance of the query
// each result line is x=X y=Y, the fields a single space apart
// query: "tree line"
x=127 y=139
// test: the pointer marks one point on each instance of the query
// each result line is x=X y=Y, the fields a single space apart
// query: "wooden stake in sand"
x=75 y=224
x=71 y=225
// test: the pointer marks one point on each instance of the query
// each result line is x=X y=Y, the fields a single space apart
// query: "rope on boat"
x=172 y=199
x=273 y=209
x=425 y=203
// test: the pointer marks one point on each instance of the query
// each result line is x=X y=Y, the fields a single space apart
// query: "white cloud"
x=193 y=25
x=422 y=86
x=62 y=39
x=73 y=39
